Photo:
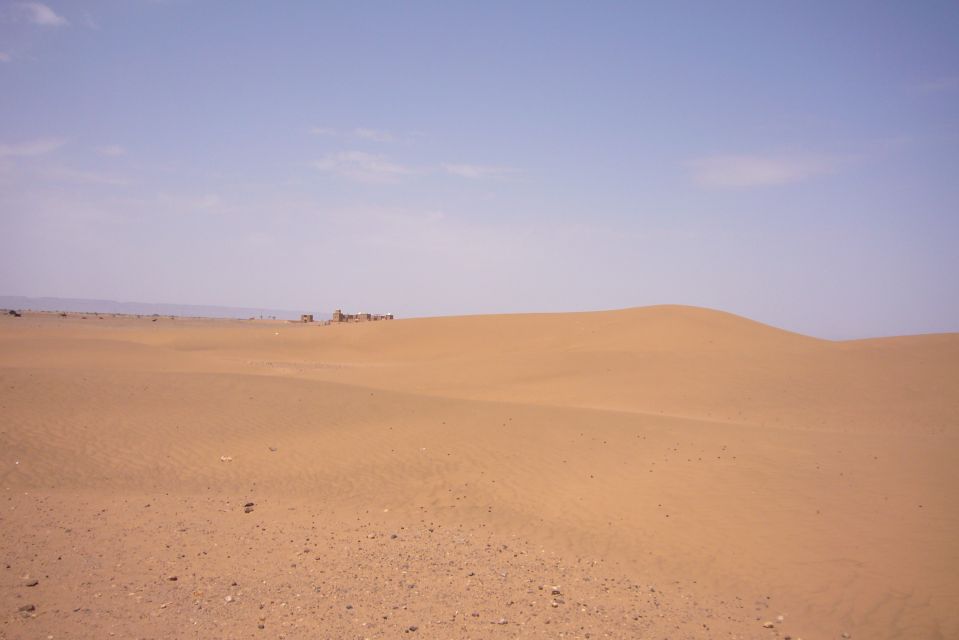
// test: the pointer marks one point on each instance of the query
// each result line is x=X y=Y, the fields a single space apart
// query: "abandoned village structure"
x=339 y=316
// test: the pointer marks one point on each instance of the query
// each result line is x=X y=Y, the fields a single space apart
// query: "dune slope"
x=744 y=471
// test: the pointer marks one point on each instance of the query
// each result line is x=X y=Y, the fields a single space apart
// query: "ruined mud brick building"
x=339 y=316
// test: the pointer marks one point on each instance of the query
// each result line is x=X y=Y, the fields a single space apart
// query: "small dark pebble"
x=31 y=583
x=172 y=578
x=413 y=627
x=248 y=504
x=349 y=606
x=27 y=608
x=247 y=509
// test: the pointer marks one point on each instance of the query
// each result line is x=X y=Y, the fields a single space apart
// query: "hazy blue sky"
x=794 y=162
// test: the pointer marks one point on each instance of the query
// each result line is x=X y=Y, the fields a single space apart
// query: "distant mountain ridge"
x=149 y=308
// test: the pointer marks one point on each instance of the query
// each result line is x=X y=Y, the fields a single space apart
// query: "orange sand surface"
x=662 y=472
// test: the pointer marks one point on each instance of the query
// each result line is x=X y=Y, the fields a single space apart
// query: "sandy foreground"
x=664 y=472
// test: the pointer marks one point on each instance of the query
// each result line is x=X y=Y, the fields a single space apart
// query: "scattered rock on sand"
x=31 y=583
x=226 y=458
x=768 y=625
x=27 y=608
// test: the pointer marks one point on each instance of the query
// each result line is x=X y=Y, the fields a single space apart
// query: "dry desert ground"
x=662 y=472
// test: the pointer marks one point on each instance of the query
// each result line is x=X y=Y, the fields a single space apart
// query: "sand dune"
x=743 y=471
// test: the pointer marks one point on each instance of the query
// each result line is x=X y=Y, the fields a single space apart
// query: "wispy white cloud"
x=370 y=167
x=176 y=203
x=373 y=134
x=744 y=171
x=477 y=171
x=41 y=14
x=208 y=202
x=31 y=148
x=363 y=167
x=359 y=133
x=112 y=150
x=5 y=57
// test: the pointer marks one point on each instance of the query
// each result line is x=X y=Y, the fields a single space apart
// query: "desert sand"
x=661 y=472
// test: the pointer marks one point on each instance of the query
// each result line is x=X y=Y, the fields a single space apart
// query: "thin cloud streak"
x=32 y=148
x=748 y=171
x=363 y=167
x=374 y=168
x=111 y=150
x=478 y=171
x=41 y=14
x=373 y=134
x=360 y=133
